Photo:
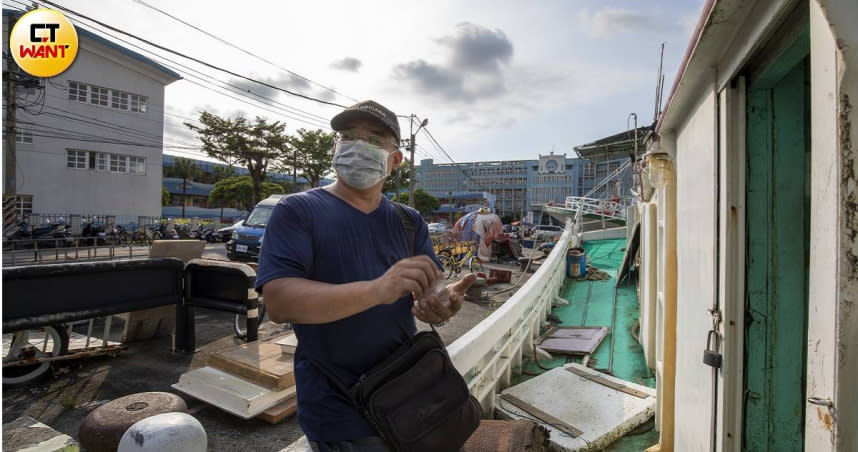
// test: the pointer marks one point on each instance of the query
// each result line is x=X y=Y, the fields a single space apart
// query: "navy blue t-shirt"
x=318 y=236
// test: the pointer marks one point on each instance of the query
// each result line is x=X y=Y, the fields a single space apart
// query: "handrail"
x=491 y=351
x=603 y=207
x=608 y=178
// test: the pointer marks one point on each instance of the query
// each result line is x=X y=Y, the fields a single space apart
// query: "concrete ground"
x=64 y=400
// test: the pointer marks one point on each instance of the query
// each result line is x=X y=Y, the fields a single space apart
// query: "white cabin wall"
x=695 y=235
x=822 y=313
x=647 y=281
x=833 y=352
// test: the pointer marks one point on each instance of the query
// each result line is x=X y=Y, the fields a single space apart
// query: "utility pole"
x=295 y=170
x=450 y=195
x=9 y=185
x=411 y=164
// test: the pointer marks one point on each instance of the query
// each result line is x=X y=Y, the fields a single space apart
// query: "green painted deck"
x=592 y=303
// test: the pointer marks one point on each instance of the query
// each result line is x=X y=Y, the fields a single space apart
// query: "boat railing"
x=609 y=208
x=617 y=174
x=490 y=353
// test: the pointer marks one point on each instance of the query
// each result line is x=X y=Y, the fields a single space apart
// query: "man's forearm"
x=299 y=300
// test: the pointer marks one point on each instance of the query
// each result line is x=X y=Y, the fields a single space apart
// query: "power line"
x=438 y=144
x=236 y=89
x=141 y=2
x=95 y=140
x=104 y=124
x=198 y=61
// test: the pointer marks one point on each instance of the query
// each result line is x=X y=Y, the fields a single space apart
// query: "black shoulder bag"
x=416 y=399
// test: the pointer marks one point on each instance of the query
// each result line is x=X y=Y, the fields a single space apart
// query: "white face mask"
x=359 y=164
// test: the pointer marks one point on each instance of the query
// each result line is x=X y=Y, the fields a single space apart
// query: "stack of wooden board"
x=596 y=410
x=251 y=380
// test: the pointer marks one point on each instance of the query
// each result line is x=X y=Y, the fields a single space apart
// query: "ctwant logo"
x=43 y=43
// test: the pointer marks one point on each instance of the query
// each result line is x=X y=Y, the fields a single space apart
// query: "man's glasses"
x=371 y=138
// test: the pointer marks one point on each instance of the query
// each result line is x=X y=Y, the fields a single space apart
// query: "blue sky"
x=498 y=80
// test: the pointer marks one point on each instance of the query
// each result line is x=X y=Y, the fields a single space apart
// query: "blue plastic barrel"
x=576 y=263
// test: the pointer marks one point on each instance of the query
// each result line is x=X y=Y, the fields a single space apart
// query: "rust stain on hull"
x=825 y=419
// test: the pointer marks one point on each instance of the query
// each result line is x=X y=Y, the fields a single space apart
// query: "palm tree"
x=187 y=169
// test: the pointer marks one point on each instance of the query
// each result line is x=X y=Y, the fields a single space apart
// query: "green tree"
x=188 y=170
x=221 y=172
x=237 y=191
x=165 y=196
x=423 y=202
x=310 y=155
x=238 y=141
x=398 y=179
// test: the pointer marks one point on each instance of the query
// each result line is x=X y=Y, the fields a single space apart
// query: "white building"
x=748 y=230
x=90 y=140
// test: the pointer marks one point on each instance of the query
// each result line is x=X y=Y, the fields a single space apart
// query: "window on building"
x=76 y=159
x=77 y=91
x=138 y=103
x=101 y=160
x=24 y=205
x=23 y=135
x=136 y=165
x=98 y=95
x=118 y=163
x=119 y=99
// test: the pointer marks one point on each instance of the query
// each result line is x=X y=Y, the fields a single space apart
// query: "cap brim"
x=339 y=121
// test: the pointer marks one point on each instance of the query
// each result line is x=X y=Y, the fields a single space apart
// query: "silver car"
x=437 y=228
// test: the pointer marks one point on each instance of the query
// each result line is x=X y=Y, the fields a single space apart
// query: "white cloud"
x=617 y=21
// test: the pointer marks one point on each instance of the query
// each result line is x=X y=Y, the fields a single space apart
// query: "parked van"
x=244 y=245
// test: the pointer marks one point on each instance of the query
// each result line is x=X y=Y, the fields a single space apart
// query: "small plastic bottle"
x=439 y=289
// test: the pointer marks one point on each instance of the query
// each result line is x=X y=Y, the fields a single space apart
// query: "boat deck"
x=615 y=306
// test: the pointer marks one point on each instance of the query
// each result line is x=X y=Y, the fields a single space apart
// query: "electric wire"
x=141 y=2
x=288 y=111
x=196 y=60
x=116 y=128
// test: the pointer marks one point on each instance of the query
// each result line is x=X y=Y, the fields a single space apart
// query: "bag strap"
x=339 y=383
x=410 y=229
x=410 y=232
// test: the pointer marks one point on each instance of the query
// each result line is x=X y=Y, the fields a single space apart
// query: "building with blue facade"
x=509 y=187
x=516 y=187
x=194 y=195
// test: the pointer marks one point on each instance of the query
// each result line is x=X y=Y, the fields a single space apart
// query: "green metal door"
x=778 y=206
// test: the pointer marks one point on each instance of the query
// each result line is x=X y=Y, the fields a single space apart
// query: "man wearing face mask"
x=337 y=265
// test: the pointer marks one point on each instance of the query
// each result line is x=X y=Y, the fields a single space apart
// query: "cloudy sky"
x=497 y=80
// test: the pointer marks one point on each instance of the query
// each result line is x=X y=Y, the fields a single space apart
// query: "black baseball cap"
x=368 y=109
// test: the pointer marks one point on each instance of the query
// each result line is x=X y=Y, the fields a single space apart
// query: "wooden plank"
x=281 y=411
x=262 y=362
x=551 y=329
x=790 y=221
x=573 y=340
x=541 y=415
x=758 y=236
x=605 y=382
x=229 y=392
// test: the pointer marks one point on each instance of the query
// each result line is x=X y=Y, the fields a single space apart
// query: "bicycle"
x=452 y=260
x=120 y=235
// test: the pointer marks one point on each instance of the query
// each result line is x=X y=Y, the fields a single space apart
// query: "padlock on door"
x=711 y=357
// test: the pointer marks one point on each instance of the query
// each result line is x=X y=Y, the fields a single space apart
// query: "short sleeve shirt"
x=318 y=236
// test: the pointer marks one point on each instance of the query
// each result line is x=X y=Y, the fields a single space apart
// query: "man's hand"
x=411 y=275
x=431 y=309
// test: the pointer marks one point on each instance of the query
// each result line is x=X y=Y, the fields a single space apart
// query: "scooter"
x=93 y=233
x=166 y=232
x=204 y=233
x=44 y=236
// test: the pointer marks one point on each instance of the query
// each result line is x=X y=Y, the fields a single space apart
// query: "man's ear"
x=397 y=159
